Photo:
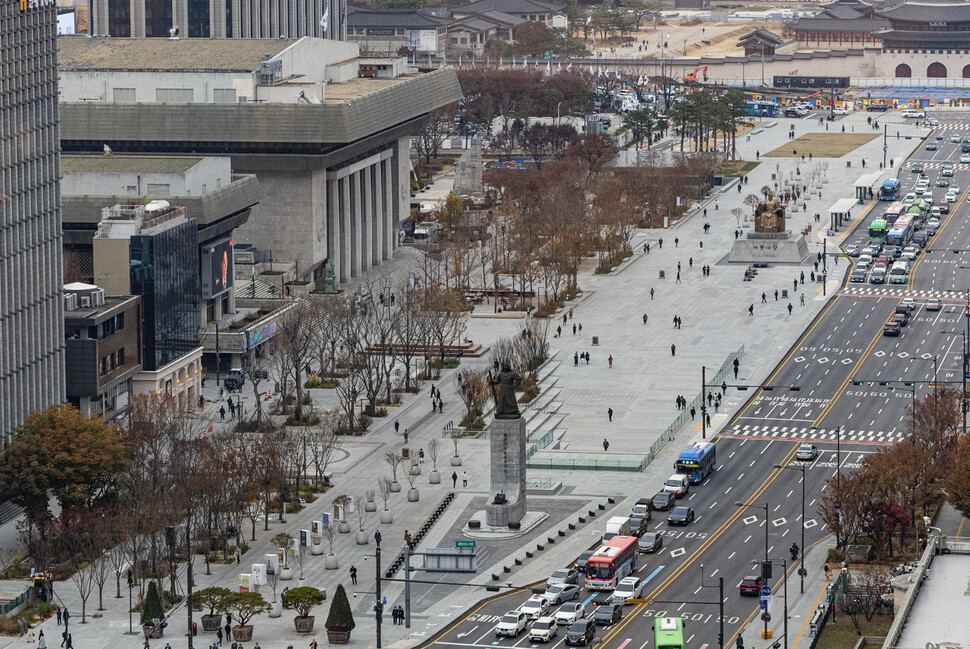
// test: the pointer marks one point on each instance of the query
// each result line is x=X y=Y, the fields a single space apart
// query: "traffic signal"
x=885 y=384
x=909 y=384
x=766 y=570
x=858 y=383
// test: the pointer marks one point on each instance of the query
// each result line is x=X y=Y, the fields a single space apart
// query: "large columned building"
x=32 y=347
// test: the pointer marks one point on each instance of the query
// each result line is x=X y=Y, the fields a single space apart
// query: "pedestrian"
x=675 y=321
x=789 y=308
x=676 y=242
x=405 y=435
x=693 y=412
x=673 y=350
x=795 y=284
x=238 y=554
x=707 y=419
x=41 y=640
x=454 y=479
x=690 y=262
x=575 y=359
x=464 y=478
x=735 y=372
x=606 y=444
x=59 y=613
x=644 y=318
x=580 y=327
x=570 y=313
x=421 y=456
x=397 y=426
x=218 y=636
x=313 y=644
x=813 y=275
x=776 y=295
x=660 y=243
x=751 y=309
x=559 y=331
x=441 y=406
x=702 y=245
x=574 y=329
x=353 y=575
x=228 y=630
x=651 y=293
x=803 y=299
x=609 y=413
x=764 y=297
x=801 y=277
x=222 y=415
x=67 y=614
x=587 y=358
x=610 y=361
x=678 y=277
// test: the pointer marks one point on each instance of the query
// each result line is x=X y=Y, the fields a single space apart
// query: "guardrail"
x=918 y=576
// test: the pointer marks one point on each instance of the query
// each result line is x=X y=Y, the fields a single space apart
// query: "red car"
x=944 y=208
x=752 y=585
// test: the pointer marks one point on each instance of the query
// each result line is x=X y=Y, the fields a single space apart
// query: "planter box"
x=387 y=517
x=395 y=487
x=242 y=633
x=338 y=637
x=303 y=624
x=211 y=622
x=152 y=631
x=316 y=549
x=455 y=460
x=413 y=495
x=331 y=562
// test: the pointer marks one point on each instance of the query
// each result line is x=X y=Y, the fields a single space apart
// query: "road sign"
x=465 y=544
x=765 y=591
x=639 y=601
x=934 y=385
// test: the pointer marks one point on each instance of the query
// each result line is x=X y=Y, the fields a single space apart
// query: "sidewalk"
x=640 y=387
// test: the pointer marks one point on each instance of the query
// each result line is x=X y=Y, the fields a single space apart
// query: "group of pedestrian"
x=397 y=614
x=233 y=408
x=706 y=270
x=681 y=402
x=437 y=405
x=580 y=356
x=677 y=322
x=454 y=478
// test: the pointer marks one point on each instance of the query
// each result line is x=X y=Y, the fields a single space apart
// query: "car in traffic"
x=544 y=629
x=933 y=304
x=878 y=275
x=511 y=625
x=965 y=158
x=559 y=593
x=918 y=168
x=751 y=585
x=891 y=329
x=569 y=613
x=840 y=110
x=806 y=452
x=942 y=182
x=535 y=607
x=581 y=632
x=608 y=614
x=638 y=526
x=955 y=139
x=909 y=255
x=931 y=146
x=580 y=564
x=909 y=112
x=628 y=588
x=852 y=250
x=678 y=484
x=663 y=501
x=681 y=516
x=950 y=197
x=878 y=108
x=901 y=318
x=563 y=576
x=944 y=207
x=858 y=276
x=947 y=171
x=650 y=542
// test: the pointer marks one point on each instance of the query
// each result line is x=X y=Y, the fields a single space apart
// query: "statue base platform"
x=507 y=472
x=502 y=515
x=528 y=523
x=769 y=248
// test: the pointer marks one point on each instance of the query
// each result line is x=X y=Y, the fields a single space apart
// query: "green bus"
x=668 y=633
x=877 y=230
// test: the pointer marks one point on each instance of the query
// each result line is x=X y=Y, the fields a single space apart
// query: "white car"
x=950 y=197
x=913 y=113
x=559 y=593
x=908 y=302
x=928 y=199
x=965 y=157
x=628 y=588
x=909 y=198
x=511 y=625
x=570 y=612
x=840 y=110
x=852 y=250
x=535 y=607
x=955 y=139
x=544 y=629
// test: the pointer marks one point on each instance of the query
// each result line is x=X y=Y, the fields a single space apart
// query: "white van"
x=899 y=272
x=677 y=484
x=616 y=526
x=914 y=113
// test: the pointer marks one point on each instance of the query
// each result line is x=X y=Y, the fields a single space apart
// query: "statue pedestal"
x=769 y=248
x=508 y=465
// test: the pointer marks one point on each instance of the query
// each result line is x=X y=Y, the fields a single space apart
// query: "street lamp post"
x=766 y=562
x=801 y=571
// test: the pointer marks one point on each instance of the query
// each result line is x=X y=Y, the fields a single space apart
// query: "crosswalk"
x=814 y=434
x=890 y=291
x=939 y=165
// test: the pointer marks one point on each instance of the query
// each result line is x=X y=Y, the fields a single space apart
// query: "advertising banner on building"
x=217 y=268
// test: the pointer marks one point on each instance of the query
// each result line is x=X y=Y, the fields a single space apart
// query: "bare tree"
x=101 y=570
x=433 y=447
x=384 y=485
x=330 y=533
x=324 y=443
x=294 y=341
x=361 y=511
x=302 y=552
x=433 y=133
x=118 y=561
x=393 y=459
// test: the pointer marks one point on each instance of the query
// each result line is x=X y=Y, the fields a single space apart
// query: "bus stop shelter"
x=865 y=187
x=840 y=212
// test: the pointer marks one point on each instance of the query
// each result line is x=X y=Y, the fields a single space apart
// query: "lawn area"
x=823 y=145
x=736 y=167
x=843 y=635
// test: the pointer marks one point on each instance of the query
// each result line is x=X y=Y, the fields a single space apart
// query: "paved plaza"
x=640 y=387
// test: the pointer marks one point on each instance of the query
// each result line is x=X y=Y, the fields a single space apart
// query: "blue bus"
x=697 y=461
x=889 y=190
x=763 y=108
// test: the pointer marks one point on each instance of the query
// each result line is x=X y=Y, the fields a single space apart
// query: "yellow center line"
x=699 y=551
x=441 y=636
x=960 y=528
x=946 y=222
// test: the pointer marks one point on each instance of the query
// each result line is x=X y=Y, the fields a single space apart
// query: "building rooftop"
x=761 y=35
x=890 y=36
x=361 y=17
x=508 y=6
x=141 y=54
x=924 y=11
x=833 y=25
x=935 y=616
x=148 y=164
x=359 y=87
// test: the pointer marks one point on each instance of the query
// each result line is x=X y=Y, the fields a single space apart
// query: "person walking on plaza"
x=803 y=299
x=764 y=298
x=789 y=308
x=575 y=359
x=693 y=412
x=673 y=350
x=644 y=318
x=609 y=413
x=606 y=444
x=353 y=575
x=405 y=435
x=676 y=242
x=751 y=310
x=651 y=293
x=397 y=426
x=59 y=613
x=454 y=479
x=610 y=361
x=464 y=478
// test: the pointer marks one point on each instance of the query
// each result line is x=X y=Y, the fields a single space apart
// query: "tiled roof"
x=928 y=11
x=107 y=53
x=108 y=164
x=829 y=24
x=843 y=13
x=891 y=37
x=516 y=7
x=761 y=35
x=404 y=18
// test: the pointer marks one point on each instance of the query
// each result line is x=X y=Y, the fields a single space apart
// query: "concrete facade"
x=507 y=469
x=31 y=303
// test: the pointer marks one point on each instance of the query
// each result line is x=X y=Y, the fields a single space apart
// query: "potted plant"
x=243 y=607
x=394 y=459
x=316 y=544
x=209 y=598
x=344 y=501
x=330 y=534
x=412 y=475
x=361 y=520
x=302 y=600
x=434 y=477
x=455 y=459
x=340 y=621
x=370 y=505
x=283 y=542
x=152 y=612
x=275 y=608
x=387 y=516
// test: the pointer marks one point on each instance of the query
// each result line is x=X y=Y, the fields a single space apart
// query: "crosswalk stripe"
x=872 y=436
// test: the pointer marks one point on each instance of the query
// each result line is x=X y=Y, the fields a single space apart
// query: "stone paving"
x=640 y=387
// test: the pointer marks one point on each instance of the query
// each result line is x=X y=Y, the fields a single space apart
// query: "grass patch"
x=736 y=168
x=823 y=145
x=843 y=634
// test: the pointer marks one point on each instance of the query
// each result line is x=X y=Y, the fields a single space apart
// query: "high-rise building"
x=220 y=18
x=31 y=302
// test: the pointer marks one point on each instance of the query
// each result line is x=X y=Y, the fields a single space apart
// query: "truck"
x=642 y=508
x=616 y=526
x=234 y=380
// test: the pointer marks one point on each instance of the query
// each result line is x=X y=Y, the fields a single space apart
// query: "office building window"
x=119 y=18
x=123 y=95
x=120 y=357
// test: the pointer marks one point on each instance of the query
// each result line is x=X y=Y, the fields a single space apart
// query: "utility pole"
x=379 y=606
x=703 y=402
x=188 y=576
x=825 y=257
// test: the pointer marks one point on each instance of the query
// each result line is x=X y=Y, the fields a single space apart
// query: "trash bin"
x=662 y=274
x=784 y=292
x=596 y=341
x=406 y=452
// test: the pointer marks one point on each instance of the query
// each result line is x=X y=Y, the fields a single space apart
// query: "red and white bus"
x=614 y=560
x=893 y=212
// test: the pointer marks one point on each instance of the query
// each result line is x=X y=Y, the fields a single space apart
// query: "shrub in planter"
x=152 y=609
x=209 y=598
x=243 y=607
x=340 y=621
x=302 y=600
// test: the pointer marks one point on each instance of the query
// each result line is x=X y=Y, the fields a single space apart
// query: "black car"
x=891 y=329
x=901 y=318
x=650 y=542
x=663 y=501
x=918 y=168
x=638 y=526
x=608 y=614
x=877 y=108
x=581 y=632
x=681 y=516
x=581 y=561
x=858 y=275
